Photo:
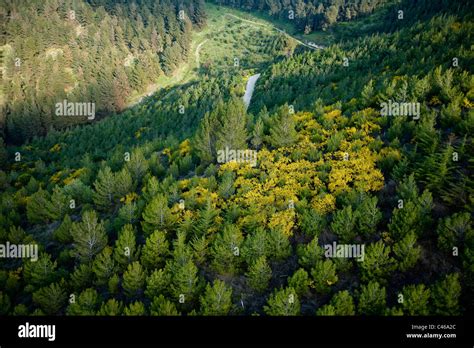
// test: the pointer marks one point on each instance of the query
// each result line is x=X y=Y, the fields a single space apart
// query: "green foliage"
x=452 y=230
x=283 y=302
x=341 y=304
x=51 y=298
x=372 y=299
x=104 y=266
x=324 y=275
x=406 y=252
x=157 y=283
x=415 y=299
x=300 y=281
x=155 y=250
x=89 y=236
x=226 y=250
x=259 y=275
x=85 y=304
x=157 y=215
x=216 y=299
x=445 y=295
x=126 y=251
x=134 y=279
x=163 y=307
x=111 y=308
x=282 y=129
x=377 y=264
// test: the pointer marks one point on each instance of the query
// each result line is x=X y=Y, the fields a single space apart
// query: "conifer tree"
x=104 y=189
x=155 y=250
x=226 y=250
x=104 y=266
x=51 y=298
x=446 y=294
x=282 y=129
x=163 y=307
x=283 y=302
x=126 y=250
x=85 y=304
x=217 y=299
x=134 y=279
x=232 y=132
x=259 y=275
x=89 y=236
x=157 y=215
x=372 y=300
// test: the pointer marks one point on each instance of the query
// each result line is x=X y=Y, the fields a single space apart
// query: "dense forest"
x=94 y=51
x=365 y=143
x=309 y=15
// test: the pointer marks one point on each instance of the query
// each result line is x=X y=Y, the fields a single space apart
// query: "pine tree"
x=204 y=141
x=377 y=262
x=111 y=308
x=343 y=224
x=63 y=233
x=206 y=220
x=324 y=275
x=283 y=302
x=310 y=254
x=452 y=230
x=372 y=300
x=406 y=252
x=163 y=307
x=343 y=303
x=157 y=215
x=89 y=236
x=104 y=266
x=134 y=279
x=85 y=304
x=157 y=283
x=51 y=298
x=135 y=309
x=232 y=132
x=41 y=272
x=446 y=294
x=226 y=250
x=255 y=246
x=126 y=250
x=59 y=204
x=104 y=189
x=217 y=299
x=368 y=216
x=259 y=275
x=185 y=282
x=257 y=134
x=415 y=299
x=279 y=247
x=123 y=183
x=300 y=282
x=282 y=129
x=38 y=207
x=155 y=250
x=137 y=166
x=82 y=276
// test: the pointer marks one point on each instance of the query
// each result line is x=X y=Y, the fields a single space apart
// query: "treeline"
x=90 y=52
x=309 y=15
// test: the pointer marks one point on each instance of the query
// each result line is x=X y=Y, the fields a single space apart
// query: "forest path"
x=198 y=48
